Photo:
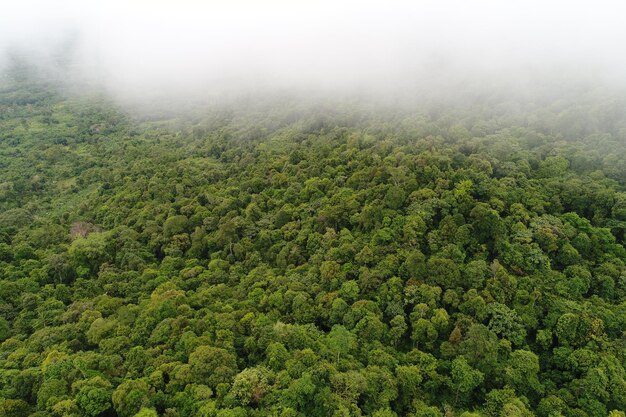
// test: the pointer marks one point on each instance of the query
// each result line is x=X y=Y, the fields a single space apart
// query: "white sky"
x=187 y=44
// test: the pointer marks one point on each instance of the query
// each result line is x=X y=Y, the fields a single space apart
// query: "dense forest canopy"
x=285 y=257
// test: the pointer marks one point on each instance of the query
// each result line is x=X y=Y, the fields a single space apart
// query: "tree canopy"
x=290 y=259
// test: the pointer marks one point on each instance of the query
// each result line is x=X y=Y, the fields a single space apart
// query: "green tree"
x=128 y=398
x=522 y=373
x=212 y=365
x=464 y=379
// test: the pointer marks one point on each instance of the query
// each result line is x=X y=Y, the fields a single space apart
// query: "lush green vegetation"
x=287 y=259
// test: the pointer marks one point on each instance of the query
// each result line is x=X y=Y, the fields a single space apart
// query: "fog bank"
x=188 y=48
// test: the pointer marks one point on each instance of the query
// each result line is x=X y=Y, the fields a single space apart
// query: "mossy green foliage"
x=292 y=260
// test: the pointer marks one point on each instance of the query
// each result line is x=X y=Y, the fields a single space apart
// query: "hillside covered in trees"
x=290 y=258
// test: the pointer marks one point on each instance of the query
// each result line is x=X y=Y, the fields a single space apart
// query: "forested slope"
x=286 y=258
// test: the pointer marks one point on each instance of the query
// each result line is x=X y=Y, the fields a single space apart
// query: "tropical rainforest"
x=291 y=258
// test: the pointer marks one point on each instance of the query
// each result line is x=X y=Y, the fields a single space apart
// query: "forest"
x=293 y=258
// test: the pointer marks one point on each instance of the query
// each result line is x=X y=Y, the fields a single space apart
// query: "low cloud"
x=145 y=49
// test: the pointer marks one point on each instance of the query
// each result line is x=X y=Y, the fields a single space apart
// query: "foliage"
x=290 y=259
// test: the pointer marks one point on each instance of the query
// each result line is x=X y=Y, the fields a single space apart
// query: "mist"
x=187 y=49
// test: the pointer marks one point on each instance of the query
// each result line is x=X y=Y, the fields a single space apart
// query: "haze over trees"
x=452 y=249
x=283 y=258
